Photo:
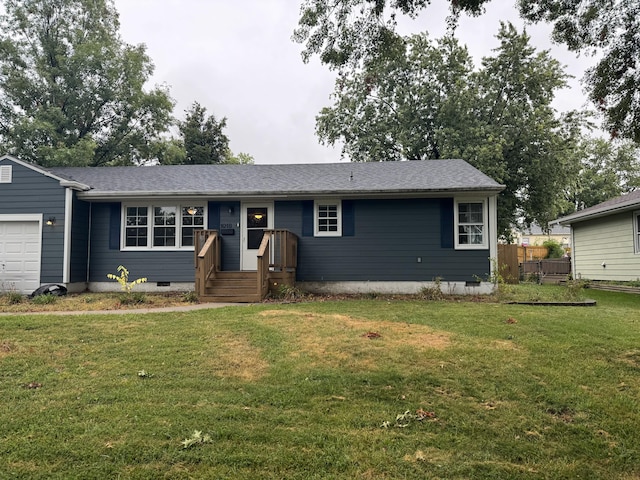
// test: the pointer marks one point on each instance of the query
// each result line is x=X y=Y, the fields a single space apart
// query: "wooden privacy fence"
x=549 y=266
x=528 y=254
x=513 y=263
x=508 y=264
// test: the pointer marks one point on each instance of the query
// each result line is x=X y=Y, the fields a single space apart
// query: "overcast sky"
x=236 y=58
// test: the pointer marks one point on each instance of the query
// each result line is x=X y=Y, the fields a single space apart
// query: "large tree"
x=71 y=91
x=203 y=137
x=428 y=101
x=345 y=33
x=604 y=169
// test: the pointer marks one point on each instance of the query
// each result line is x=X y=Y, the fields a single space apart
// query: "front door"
x=256 y=218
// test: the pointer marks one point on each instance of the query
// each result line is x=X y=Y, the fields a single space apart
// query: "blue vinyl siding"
x=157 y=266
x=388 y=238
x=30 y=192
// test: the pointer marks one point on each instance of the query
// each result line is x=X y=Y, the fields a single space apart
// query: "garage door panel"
x=20 y=255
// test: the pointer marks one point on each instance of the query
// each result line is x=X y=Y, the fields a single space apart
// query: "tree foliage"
x=348 y=33
x=71 y=91
x=604 y=169
x=427 y=101
x=203 y=137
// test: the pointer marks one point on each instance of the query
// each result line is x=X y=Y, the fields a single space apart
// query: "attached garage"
x=20 y=247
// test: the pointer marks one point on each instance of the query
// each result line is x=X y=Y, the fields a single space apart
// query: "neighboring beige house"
x=606 y=239
x=535 y=237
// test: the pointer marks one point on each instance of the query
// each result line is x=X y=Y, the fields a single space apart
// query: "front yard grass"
x=364 y=388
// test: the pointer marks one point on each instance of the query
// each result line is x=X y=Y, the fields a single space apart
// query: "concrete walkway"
x=134 y=311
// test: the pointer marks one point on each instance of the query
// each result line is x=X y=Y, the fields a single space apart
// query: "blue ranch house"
x=235 y=232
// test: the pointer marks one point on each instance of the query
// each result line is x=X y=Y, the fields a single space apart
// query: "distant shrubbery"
x=554 y=249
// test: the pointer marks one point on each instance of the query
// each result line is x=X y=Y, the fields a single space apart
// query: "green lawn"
x=335 y=389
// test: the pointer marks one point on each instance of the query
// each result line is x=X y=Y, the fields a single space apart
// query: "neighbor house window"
x=161 y=226
x=471 y=224
x=328 y=218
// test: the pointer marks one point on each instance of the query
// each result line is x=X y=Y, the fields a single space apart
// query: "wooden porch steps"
x=232 y=287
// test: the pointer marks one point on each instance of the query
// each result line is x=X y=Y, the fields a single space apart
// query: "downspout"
x=493 y=237
x=68 y=212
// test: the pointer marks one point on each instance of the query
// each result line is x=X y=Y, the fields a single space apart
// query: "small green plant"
x=433 y=292
x=123 y=279
x=46 y=299
x=289 y=292
x=133 y=298
x=13 y=298
x=196 y=439
x=575 y=289
x=190 y=297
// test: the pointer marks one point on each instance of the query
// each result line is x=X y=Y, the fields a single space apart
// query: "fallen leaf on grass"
x=32 y=385
x=422 y=414
x=372 y=335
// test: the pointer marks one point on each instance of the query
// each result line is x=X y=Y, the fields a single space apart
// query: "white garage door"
x=19 y=256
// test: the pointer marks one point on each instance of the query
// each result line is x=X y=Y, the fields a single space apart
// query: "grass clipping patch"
x=237 y=358
x=335 y=340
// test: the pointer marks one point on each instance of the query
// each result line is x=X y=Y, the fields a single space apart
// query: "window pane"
x=135 y=227
x=164 y=237
x=192 y=216
x=136 y=237
x=470 y=213
x=164 y=231
x=327 y=218
x=257 y=218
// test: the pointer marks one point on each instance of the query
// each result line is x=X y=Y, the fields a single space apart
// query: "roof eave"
x=109 y=195
x=575 y=218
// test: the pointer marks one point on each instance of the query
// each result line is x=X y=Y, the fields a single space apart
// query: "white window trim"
x=316 y=209
x=150 y=206
x=485 y=224
x=636 y=232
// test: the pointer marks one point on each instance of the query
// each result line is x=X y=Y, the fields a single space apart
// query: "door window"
x=257 y=222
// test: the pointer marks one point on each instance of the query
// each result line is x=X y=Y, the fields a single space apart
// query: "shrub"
x=133 y=298
x=190 y=297
x=433 y=292
x=13 y=298
x=46 y=299
x=289 y=292
x=554 y=249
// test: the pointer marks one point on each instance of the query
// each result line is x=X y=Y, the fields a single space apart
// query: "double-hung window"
x=471 y=224
x=161 y=226
x=328 y=218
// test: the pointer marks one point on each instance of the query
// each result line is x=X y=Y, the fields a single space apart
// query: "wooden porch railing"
x=207 y=261
x=278 y=253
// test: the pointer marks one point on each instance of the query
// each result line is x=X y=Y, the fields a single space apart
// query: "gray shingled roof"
x=279 y=180
x=629 y=201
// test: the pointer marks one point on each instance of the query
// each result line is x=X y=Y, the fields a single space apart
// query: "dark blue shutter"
x=214 y=216
x=114 y=226
x=446 y=223
x=307 y=218
x=348 y=219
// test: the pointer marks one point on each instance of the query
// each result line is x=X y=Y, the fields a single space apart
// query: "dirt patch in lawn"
x=344 y=340
x=233 y=356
